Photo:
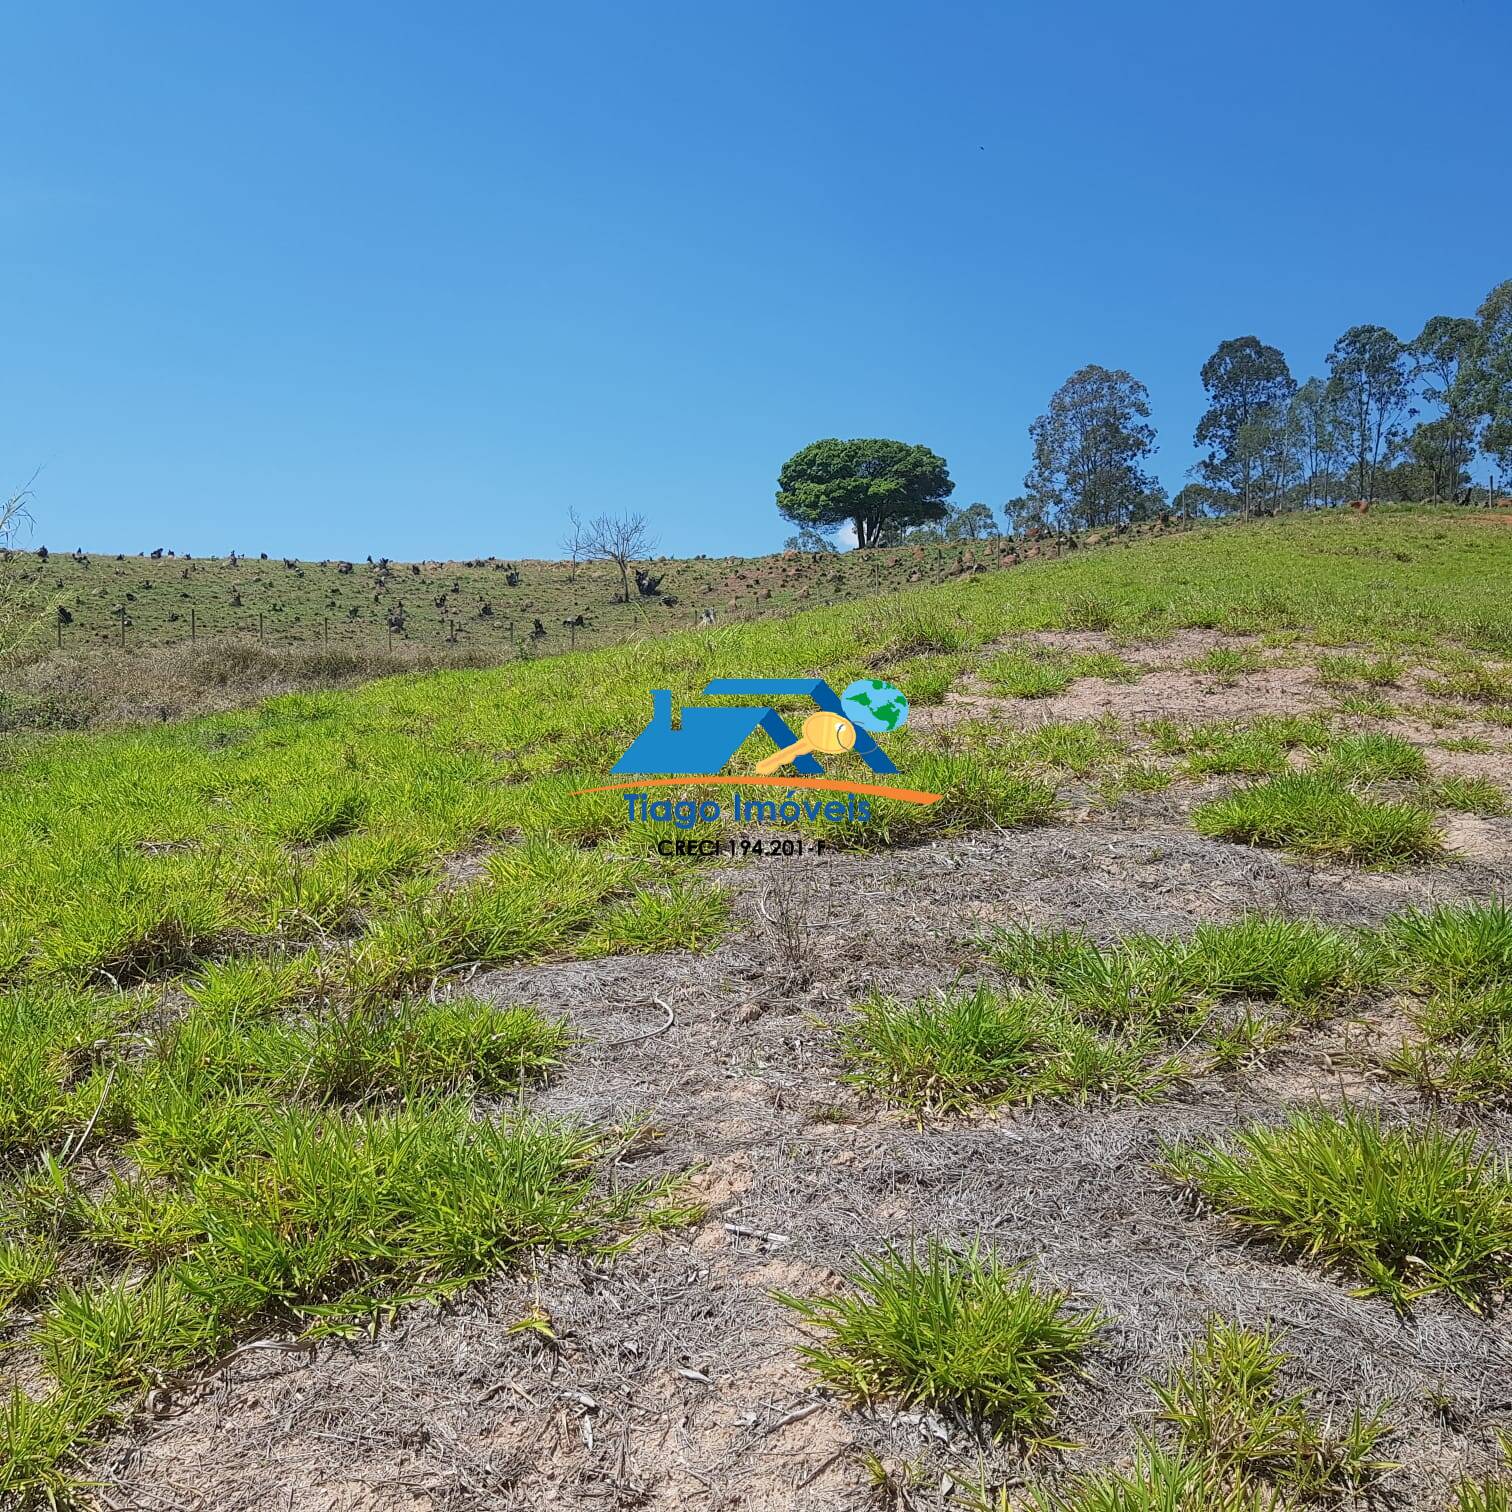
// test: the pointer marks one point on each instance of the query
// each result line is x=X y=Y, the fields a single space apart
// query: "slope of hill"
x=491 y=605
x=1181 y=996
x=144 y=638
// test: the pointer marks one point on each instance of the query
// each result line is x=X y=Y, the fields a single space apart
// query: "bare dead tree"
x=621 y=539
x=15 y=603
x=575 y=542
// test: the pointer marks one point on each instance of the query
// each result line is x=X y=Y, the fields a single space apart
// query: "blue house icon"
x=708 y=738
x=704 y=743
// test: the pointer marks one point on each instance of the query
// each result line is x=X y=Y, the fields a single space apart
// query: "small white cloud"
x=845 y=537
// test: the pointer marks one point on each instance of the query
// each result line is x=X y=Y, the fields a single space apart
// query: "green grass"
x=1489 y=1492
x=1454 y=947
x=1083 y=1021
x=354 y=1052
x=1485 y=1494
x=968 y=1051
x=1373 y=757
x=1345 y=671
x=1240 y=1441
x=964 y=1332
x=977 y=792
x=219 y=939
x=264 y=1173
x=1227 y=664
x=1458 y=959
x=1143 y=977
x=26 y=1267
x=1160 y=1481
x=1224 y=747
x=318 y=1218
x=39 y=1442
x=1022 y=674
x=1472 y=681
x=1319 y=815
x=1468 y=795
x=1229 y=1414
x=1466 y=1050
x=1043 y=673
x=1407 y=1211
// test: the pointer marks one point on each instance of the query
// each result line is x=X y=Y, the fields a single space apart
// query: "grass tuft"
x=1373 y=757
x=1344 y=671
x=1410 y=1211
x=1160 y=1481
x=1231 y=1417
x=1466 y=1050
x=973 y=1050
x=1317 y=814
x=1456 y=946
x=1468 y=795
x=960 y=1332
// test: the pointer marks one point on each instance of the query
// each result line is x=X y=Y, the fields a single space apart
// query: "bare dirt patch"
x=1166 y=688
x=672 y=1381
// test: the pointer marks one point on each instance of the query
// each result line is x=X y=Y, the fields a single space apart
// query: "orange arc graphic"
x=828 y=784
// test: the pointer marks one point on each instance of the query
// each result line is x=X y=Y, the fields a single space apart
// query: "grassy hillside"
x=243 y=1086
x=491 y=606
x=130 y=640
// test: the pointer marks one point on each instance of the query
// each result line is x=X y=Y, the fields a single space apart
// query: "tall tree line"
x=1387 y=419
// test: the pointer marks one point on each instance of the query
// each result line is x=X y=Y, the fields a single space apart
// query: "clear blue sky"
x=350 y=278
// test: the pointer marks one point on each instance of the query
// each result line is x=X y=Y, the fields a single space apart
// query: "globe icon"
x=875 y=706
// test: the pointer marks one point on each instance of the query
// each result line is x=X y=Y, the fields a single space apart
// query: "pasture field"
x=384 y=1122
x=491 y=604
x=128 y=639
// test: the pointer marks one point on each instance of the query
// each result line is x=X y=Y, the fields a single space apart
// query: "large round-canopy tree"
x=880 y=487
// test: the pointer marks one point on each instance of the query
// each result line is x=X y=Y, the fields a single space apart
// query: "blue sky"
x=338 y=279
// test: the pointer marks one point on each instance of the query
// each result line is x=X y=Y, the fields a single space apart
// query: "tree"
x=1249 y=386
x=1024 y=514
x=1088 y=446
x=574 y=543
x=1154 y=502
x=880 y=487
x=17 y=611
x=1437 y=459
x=1195 y=500
x=809 y=540
x=1490 y=382
x=1444 y=353
x=1321 y=439
x=1371 y=386
x=621 y=539
x=974 y=523
x=1279 y=457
